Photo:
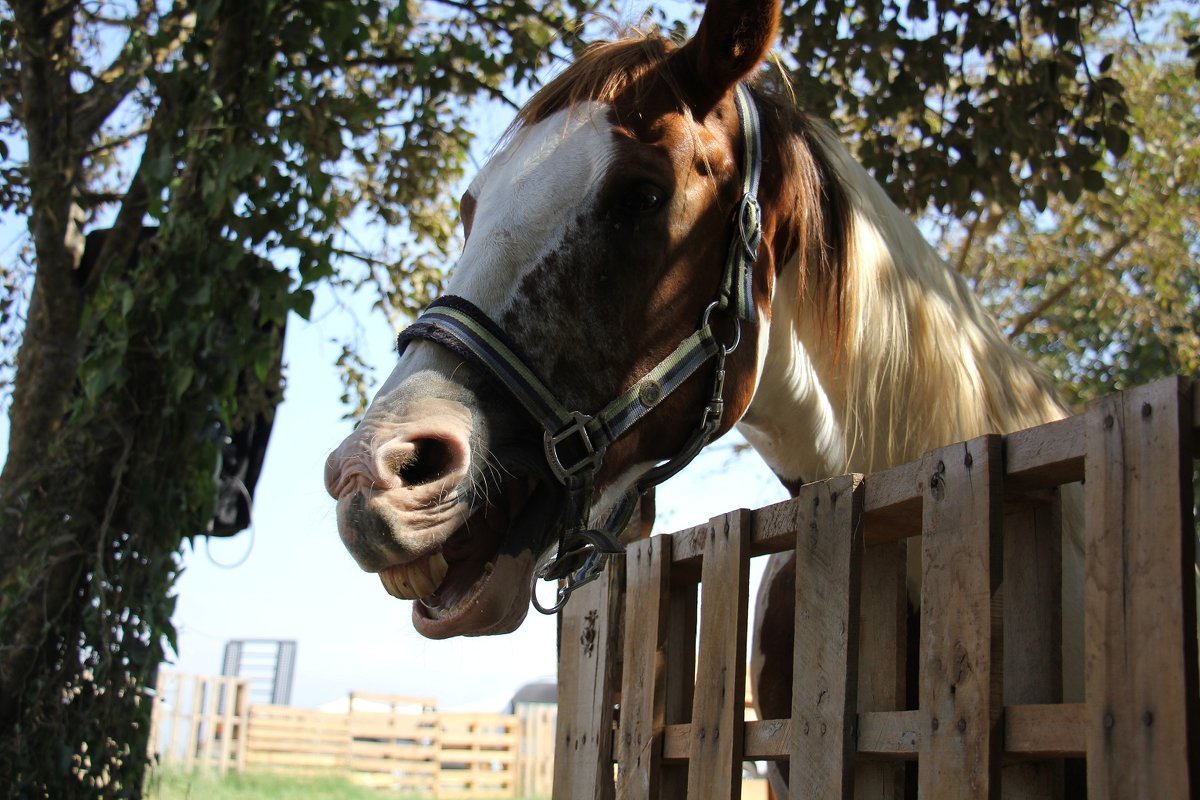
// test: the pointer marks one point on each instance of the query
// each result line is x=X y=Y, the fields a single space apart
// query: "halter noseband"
x=574 y=442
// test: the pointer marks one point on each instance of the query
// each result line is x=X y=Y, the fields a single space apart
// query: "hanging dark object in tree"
x=238 y=470
x=243 y=447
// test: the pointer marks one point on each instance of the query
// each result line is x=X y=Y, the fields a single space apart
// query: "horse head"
x=594 y=294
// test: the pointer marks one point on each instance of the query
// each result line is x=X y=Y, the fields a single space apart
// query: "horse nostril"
x=425 y=462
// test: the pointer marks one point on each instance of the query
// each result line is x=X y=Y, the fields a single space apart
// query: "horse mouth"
x=475 y=585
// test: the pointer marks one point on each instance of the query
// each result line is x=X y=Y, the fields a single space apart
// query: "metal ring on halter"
x=737 y=327
x=588 y=572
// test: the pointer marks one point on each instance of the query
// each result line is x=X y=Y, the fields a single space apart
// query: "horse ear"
x=734 y=37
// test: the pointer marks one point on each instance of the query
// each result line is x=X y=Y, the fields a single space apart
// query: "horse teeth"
x=416 y=579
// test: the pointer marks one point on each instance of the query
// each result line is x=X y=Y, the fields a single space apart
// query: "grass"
x=172 y=784
x=166 y=784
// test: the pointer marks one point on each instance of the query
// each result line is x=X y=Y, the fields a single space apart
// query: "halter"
x=575 y=442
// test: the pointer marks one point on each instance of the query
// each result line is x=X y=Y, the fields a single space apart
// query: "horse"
x=661 y=249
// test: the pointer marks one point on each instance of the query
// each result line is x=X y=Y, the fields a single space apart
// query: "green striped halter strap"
x=575 y=442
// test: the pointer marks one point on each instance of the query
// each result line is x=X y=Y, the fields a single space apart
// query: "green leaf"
x=302 y=302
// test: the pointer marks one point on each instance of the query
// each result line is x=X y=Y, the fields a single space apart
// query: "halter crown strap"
x=737 y=288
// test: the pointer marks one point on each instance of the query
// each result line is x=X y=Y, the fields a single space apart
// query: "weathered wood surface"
x=718 y=707
x=589 y=640
x=643 y=691
x=960 y=650
x=1139 y=606
x=990 y=721
x=829 y=547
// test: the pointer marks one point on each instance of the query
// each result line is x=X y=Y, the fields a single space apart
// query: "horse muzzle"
x=399 y=483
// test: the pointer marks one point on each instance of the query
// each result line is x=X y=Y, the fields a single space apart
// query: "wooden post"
x=643 y=698
x=882 y=656
x=227 y=686
x=718 y=711
x=243 y=722
x=587 y=681
x=192 y=739
x=829 y=544
x=960 y=658
x=1140 y=607
x=212 y=688
x=1033 y=629
x=171 y=755
x=679 y=675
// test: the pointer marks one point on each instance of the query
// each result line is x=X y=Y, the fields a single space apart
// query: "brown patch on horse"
x=602 y=73
x=806 y=210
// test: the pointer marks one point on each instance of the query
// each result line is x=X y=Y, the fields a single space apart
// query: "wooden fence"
x=398 y=743
x=658 y=691
x=199 y=721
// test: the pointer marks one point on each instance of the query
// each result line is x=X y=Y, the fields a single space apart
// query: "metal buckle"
x=590 y=461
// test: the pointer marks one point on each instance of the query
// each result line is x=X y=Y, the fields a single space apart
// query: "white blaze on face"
x=526 y=198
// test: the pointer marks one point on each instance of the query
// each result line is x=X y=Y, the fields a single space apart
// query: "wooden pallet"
x=653 y=655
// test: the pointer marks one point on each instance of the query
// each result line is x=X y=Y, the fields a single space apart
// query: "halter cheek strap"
x=575 y=442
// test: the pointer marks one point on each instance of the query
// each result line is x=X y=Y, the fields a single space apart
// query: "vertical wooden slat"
x=718 y=712
x=1140 y=613
x=1033 y=629
x=643 y=697
x=228 y=688
x=679 y=676
x=589 y=649
x=212 y=689
x=828 y=556
x=243 y=723
x=156 y=714
x=192 y=738
x=960 y=658
x=171 y=754
x=882 y=652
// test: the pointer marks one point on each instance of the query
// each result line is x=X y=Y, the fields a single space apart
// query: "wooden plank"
x=715 y=755
x=1048 y=455
x=1140 y=614
x=882 y=653
x=825 y=659
x=535 y=766
x=587 y=663
x=1195 y=416
x=1033 y=628
x=171 y=755
x=191 y=740
x=228 y=687
x=243 y=722
x=679 y=673
x=890 y=735
x=643 y=690
x=687 y=548
x=892 y=504
x=1045 y=731
x=960 y=657
x=767 y=740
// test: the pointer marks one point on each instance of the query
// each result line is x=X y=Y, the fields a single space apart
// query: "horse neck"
x=917 y=364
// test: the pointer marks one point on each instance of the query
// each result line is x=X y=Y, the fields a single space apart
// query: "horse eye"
x=642 y=198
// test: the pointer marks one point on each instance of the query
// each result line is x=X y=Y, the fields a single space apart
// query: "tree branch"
x=121 y=77
x=1026 y=319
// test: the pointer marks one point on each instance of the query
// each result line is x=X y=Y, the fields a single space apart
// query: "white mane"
x=919 y=363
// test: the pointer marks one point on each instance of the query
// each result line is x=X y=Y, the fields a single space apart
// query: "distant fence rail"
x=393 y=742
